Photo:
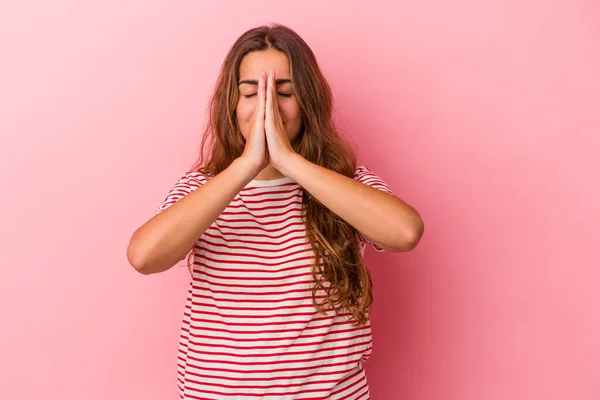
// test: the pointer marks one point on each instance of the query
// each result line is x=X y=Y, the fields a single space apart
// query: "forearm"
x=385 y=219
x=169 y=235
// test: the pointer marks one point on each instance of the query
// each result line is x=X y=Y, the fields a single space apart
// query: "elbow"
x=135 y=259
x=411 y=239
x=416 y=234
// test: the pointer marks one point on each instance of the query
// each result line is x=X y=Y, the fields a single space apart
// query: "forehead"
x=257 y=61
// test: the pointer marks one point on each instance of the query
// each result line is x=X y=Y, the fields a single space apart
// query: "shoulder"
x=190 y=181
x=364 y=174
x=361 y=170
x=197 y=177
x=193 y=178
x=186 y=184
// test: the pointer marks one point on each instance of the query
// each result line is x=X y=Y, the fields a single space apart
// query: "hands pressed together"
x=267 y=141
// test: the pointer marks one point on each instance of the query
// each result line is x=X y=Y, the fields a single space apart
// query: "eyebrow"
x=255 y=82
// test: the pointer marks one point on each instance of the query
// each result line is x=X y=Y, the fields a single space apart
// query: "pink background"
x=484 y=117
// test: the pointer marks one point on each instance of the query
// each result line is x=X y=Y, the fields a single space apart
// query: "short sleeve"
x=186 y=184
x=364 y=175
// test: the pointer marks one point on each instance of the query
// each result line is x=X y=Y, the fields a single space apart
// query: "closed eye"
x=281 y=94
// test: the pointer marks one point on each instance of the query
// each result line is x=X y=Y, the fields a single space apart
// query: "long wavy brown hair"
x=343 y=275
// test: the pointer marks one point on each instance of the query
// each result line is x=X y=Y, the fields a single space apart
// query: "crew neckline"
x=270 y=182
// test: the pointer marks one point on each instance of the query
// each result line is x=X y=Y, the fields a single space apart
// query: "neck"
x=269 y=173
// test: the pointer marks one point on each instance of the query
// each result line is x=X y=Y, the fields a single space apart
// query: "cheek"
x=293 y=120
x=290 y=111
x=244 y=111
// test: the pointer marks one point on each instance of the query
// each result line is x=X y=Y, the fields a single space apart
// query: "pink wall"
x=484 y=117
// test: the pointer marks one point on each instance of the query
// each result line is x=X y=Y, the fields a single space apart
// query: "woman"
x=277 y=216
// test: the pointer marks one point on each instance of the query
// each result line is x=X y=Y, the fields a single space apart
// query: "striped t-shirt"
x=250 y=329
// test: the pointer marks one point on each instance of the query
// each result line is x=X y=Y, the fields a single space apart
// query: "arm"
x=386 y=220
x=168 y=236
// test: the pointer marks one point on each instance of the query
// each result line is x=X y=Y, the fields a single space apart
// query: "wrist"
x=246 y=168
x=289 y=165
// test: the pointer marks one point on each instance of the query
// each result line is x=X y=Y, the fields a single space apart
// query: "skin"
x=283 y=119
x=270 y=122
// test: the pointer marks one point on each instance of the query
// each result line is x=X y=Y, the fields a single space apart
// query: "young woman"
x=277 y=216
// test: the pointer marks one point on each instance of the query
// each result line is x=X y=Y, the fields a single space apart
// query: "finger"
x=269 y=100
x=274 y=95
x=262 y=83
x=276 y=112
x=272 y=107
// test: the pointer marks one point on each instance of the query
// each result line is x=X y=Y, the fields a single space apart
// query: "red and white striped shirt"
x=250 y=329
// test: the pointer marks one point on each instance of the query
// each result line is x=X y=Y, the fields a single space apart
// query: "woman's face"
x=250 y=68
